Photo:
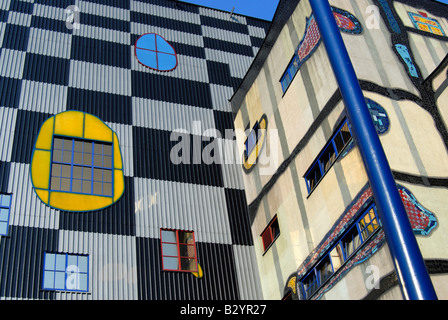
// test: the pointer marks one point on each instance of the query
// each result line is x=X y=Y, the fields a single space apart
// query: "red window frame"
x=190 y=247
x=268 y=236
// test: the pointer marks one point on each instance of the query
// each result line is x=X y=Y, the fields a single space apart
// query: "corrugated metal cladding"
x=47 y=68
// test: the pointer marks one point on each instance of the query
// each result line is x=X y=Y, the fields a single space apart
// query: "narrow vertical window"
x=270 y=234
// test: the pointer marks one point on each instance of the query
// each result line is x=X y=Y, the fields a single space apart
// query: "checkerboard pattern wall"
x=47 y=68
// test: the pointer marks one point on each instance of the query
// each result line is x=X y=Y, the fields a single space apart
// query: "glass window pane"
x=4 y=213
x=57 y=143
x=77 y=172
x=72 y=280
x=3 y=228
x=49 y=280
x=67 y=157
x=60 y=262
x=55 y=184
x=83 y=263
x=88 y=147
x=83 y=282
x=59 y=280
x=351 y=242
x=107 y=162
x=168 y=236
x=107 y=150
x=66 y=171
x=87 y=159
x=78 y=146
x=68 y=144
x=327 y=158
x=188 y=264
x=336 y=257
x=187 y=251
x=57 y=155
x=98 y=174
x=98 y=148
x=170 y=263
x=98 y=160
x=65 y=184
x=86 y=186
x=107 y=189
x=77 y=158
x=107 y=175
x=275 y=229
x=97 y=188
x=345 y=132
x=72 y=261
x=169 y=249
x=339 y=142
x=56 y=170
x=76 y=185
x=186 y=237
x=87 y=173
x=6 y=200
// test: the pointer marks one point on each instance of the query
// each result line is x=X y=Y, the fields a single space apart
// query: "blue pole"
x=411 y=270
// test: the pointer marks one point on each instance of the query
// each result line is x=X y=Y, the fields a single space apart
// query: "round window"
x=154 y=52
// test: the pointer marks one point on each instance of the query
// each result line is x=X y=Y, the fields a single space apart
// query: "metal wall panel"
x=46 y=68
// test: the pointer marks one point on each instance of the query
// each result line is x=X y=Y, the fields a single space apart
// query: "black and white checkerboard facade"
x=47 y=68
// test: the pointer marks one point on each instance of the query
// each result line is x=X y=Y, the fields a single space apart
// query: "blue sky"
x=263 y=9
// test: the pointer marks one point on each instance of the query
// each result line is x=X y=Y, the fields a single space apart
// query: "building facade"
x=112 y=182
x=316 y=229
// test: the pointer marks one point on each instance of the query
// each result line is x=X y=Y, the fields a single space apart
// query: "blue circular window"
x=155 y=52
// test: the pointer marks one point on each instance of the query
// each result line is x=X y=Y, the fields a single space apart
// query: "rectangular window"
x=290 y=72
x=328 y=155
x=66 y=272
x=178 y=250
x=5 y=206
x=80 y=166
x=270 y=234
x=351 y=241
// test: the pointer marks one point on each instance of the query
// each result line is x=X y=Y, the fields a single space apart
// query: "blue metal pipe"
x=414 y=279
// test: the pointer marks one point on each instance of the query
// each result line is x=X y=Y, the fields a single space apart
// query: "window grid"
x=81 y=166
x=160 y=53
x=5 y=207
x=270 y=233
x=66 y=272
x=184 y=255
x=342 y=251
x=328 y=156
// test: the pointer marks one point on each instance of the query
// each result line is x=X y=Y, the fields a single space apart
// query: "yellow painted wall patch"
x=77 y=128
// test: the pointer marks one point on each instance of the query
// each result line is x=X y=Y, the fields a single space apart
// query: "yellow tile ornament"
x=88 y=132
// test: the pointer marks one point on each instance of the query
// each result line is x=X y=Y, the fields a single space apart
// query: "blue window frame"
x=328 y=155
x=5 y=206
x=290 y=72
x=66 y=272
x=343 y=249
x=81 y=166
x=154 y=52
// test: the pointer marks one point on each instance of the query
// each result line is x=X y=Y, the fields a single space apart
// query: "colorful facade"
x=315 y=224
x=94 y=97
